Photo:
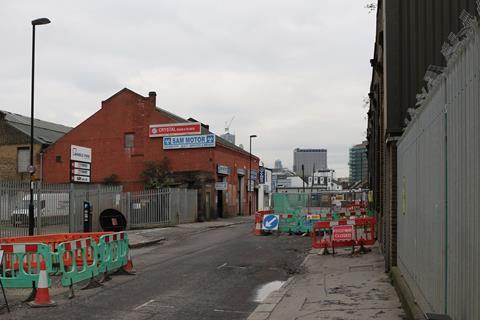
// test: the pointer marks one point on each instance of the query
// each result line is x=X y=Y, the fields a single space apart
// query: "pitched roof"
x=219 y=139
x=44 y=132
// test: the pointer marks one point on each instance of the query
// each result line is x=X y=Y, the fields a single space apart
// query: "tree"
x=156 y=174
x=371 y=7
x=111 y=180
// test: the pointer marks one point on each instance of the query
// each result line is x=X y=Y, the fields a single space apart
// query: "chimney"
x=153 y=98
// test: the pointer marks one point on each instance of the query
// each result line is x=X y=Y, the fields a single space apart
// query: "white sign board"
x=1 y=257
x=81 y=179
x=221 y=185
x=78 y=153
x=81 y=165
x=81 y=172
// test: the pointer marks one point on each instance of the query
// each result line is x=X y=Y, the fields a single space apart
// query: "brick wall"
x=8 y=162
x=128 y=112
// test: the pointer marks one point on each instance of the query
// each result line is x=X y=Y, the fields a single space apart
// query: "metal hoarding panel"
x=438 y=190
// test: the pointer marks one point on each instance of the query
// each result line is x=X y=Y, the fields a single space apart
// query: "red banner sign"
x=342 y=233
x=174 y=129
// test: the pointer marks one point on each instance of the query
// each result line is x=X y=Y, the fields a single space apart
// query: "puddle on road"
x=266 y=289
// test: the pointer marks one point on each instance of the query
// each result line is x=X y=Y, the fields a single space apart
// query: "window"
x=129 y=140
x=23 y=159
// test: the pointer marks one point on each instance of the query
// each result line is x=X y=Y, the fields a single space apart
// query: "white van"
x=54 y=209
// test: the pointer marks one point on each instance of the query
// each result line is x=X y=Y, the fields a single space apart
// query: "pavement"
x=340 y=287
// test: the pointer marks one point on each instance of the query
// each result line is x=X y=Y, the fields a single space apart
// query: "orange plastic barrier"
x=53 y=240
x=344 y=233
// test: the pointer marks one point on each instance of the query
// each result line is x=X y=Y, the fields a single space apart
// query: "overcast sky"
x=295 y=73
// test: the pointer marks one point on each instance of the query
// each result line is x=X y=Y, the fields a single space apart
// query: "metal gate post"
x=39 y=208
x=129 y=209
x=71 y=209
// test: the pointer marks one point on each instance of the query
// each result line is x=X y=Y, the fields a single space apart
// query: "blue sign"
x=188 y=142
x=270 y=222
x=261 y=175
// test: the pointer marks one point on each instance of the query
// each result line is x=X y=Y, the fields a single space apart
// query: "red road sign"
x=174 y=129
x=343 y=233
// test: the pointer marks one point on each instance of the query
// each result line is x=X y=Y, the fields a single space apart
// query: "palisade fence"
x=59 y=208
x=439 y=186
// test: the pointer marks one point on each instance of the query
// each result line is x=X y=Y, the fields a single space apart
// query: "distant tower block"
x=311 y=159
x=278 y=164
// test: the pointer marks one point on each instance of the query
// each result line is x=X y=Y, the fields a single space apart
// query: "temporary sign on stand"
x=270 y=222
x=343 y=233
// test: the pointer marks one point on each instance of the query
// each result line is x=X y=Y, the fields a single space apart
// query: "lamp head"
x=40 y=21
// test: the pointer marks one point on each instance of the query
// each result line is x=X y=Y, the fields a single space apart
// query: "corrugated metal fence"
x=439 y=186
x=59 y=208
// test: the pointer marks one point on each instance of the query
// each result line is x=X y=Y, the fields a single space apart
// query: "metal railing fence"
x=59 y=208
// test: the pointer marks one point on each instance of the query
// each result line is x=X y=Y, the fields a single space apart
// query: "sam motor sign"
x=174 y=129
x=188 y=142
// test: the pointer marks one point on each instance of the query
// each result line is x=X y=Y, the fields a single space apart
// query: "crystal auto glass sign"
x=188 y=142
x=174 y=129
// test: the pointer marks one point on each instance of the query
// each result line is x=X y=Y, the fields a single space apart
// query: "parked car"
x=54 y=209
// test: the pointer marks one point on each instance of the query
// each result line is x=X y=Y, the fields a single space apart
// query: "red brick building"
x=119 y=137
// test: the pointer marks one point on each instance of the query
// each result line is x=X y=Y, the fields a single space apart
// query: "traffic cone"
x=129 y=266
x=258 y=228
x=258 y=223
x=42 y=297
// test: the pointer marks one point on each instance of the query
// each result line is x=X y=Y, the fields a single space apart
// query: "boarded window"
x=23 y=159
x=129 y=140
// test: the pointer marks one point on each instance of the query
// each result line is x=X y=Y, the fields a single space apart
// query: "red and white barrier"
x=344 y=233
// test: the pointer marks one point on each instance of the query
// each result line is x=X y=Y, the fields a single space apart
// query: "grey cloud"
x=292 y=71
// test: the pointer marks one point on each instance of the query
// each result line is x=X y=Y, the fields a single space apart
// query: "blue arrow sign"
x=270 y=222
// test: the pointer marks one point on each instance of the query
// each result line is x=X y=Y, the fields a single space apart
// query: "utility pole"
x=31 y=167
x=249 y=192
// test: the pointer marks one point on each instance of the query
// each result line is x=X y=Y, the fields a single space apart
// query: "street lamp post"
x=250 y=178
x=31 y=167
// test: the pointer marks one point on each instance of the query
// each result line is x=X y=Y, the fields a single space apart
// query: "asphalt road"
x=213 y=274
